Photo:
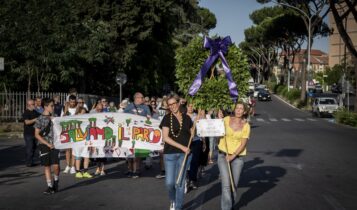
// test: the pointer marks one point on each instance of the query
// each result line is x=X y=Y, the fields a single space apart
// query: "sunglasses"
x=172 y=104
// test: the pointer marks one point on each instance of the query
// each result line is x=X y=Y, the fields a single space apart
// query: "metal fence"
x=13 y=104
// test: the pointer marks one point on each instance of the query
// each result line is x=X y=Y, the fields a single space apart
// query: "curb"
x=11 y=135
x=287 y=103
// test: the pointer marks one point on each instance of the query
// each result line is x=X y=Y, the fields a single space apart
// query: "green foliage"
x=293 y=95
x=53 y=45
x=214 y=92
x=345 y=117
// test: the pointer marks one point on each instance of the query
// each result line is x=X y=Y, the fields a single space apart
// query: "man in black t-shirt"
x=29 y=117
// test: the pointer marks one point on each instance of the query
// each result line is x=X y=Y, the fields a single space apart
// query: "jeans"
x=30 y=144
x=212 y=143
x=173 y=164
x=196 y=149
x=228 y=197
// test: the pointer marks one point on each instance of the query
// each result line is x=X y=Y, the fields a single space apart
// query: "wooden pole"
x=229 y=166
x=186 y=154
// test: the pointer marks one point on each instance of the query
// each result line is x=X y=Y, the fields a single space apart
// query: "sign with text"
x=111 y=134
x=210 y=127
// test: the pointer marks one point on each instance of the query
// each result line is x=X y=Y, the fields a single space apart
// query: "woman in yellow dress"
x=232 y=149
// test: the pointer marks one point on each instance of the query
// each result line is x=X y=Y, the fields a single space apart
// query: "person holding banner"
x=138 y=108
x=176 y=131
x=231 y=151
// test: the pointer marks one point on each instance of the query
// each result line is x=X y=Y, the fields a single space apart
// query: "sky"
x=233 y=18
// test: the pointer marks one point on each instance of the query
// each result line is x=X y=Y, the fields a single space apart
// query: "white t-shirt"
x=72 y=111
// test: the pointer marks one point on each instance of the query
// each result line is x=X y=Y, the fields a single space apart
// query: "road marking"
x=298 y=119
x=260 y=120
x=273 y=119
x=310 y=119
x=286 y=120
x=333 y=202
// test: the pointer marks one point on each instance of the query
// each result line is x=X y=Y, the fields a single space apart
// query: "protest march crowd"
x=182 y=148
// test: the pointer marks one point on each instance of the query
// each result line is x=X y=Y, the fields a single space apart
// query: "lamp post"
x=121 y=79
x=309 y=34
x=258 y=62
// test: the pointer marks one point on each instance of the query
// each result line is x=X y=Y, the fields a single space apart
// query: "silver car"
x=324 y=106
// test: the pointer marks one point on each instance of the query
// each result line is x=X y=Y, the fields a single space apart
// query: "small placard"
x=210 y=128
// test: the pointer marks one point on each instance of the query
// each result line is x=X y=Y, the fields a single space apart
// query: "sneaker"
x=97 y=173
x=55 y=186
x=172 y=205
x=129 y=174
x=67 y=169
x=79 y=175
x=160 y=176
x=102 y=173
x=49 y=191
x=86 y=175
x=193 y=185
x=135 y=175
x=186 y=186
x=73 y=170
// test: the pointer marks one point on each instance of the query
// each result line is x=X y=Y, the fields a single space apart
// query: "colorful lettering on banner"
x=113 y=134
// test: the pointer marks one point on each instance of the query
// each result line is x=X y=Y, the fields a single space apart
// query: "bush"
x=279 y=89
x=344 y=117
x=293 y=95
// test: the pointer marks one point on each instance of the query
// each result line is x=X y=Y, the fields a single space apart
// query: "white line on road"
x=285 y=119
x=260 y=120
x=273 y=119
x=310 y=119
x=298 y=119
x=333 y=202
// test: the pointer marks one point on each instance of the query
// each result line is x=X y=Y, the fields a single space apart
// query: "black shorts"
x=48 y=156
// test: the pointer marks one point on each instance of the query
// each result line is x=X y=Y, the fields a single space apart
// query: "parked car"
x=324 y=106
x=256 y=91
x=264 y=95
x=318 y=89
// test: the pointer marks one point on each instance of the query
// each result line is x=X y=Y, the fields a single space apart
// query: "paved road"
x=295 y=162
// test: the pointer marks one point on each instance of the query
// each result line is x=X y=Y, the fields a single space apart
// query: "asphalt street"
x=295 y=161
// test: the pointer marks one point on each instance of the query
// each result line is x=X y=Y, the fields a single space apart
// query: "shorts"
x=48 y=156
x=81 y=152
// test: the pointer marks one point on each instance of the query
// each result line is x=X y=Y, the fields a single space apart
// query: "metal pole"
x=348 y=95
x=309 y=51
x=120 y=95
x=288 y=80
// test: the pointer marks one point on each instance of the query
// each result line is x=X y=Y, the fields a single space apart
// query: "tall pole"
x=309 y=50
x=120 y=95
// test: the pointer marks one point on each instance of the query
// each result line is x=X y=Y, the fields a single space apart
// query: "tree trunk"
x=355 y=67
x=303 y=84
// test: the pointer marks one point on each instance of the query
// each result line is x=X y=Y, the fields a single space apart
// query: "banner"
x=210 y=128
x=108 y=134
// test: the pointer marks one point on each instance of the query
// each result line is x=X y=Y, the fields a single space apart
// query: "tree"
x=316 y=11
x=53 y=45
x=340 y=11
x=214 y=91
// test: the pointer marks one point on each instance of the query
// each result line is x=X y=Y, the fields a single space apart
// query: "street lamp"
x=258 y=62
x=121 y=79
x=309 y=33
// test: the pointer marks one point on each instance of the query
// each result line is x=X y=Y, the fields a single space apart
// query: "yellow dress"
x=233 y=138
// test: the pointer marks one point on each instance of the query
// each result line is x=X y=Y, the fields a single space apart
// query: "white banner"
x=210 y=128
x=108 y=134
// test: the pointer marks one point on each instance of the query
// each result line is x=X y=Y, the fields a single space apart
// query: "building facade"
x=337 y=49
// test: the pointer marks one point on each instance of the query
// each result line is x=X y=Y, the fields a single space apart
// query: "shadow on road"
x=14 y=155
x=258 y=180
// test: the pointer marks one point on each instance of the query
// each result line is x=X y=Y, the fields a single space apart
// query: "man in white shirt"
x=70 y=109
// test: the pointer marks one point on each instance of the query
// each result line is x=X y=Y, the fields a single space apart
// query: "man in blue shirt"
x=138 y=108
